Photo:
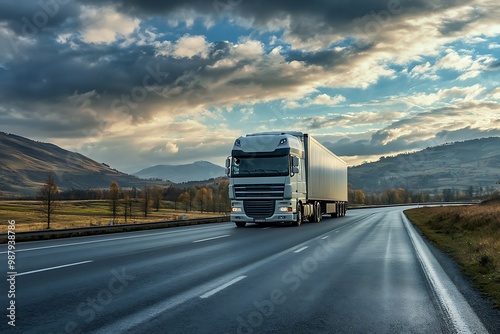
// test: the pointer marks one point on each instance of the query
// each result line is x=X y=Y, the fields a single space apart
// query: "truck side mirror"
x=228 y=164
x=295 y=165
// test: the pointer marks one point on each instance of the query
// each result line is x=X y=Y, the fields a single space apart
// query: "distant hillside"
x=459 y=165
x=197 y=171
x=25 y=165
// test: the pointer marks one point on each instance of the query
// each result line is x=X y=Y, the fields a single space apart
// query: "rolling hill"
x=25 y=165
x=458 y=165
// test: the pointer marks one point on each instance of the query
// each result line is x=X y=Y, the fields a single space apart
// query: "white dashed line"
x=52 y=268
x=222 y=287
x=300 y=249
x=213 y=238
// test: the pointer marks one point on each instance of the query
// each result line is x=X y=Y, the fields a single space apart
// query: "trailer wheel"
x=240 y=224
x=298 y=221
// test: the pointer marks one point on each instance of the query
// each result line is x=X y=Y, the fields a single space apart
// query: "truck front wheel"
x=240 y=224
x=298 y=221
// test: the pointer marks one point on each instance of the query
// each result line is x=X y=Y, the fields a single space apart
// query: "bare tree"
x=224 y=195
x=127 y=205
x=185 y=198
x=201 y=197
x=359 y=197
x=158 y=196
x=146 y=200
x=48 y=195
x=114 y=195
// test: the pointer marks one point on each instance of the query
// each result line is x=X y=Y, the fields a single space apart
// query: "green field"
x=29 y=215
x=471 y=236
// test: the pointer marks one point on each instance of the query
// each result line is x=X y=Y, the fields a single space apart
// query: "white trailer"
x=284 y=177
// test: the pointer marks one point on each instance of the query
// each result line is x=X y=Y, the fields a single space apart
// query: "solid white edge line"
x=213 y=238
x=222 y=287
x=455 y=306
x=300 y=249
x=52 y=268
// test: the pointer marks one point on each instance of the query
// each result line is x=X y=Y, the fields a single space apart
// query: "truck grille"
x=259 y=190
x=259 y=209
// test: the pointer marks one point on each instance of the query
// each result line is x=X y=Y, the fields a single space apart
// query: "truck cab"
x=266 y=183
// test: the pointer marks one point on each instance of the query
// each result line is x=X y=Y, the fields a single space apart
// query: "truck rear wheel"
x=317 y=213
x=240 y=224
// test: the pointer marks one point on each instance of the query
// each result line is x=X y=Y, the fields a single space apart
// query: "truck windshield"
x=260 y=166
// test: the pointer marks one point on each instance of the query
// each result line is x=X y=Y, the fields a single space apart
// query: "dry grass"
x=29 y=216
x=471 y=235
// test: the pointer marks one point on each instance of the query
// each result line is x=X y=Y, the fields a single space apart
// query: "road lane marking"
x=213 y=238
x=300 y=249
x=103 y=240
x=326 y=236
x=130 y=321
x=52 y=268
x=222 y=287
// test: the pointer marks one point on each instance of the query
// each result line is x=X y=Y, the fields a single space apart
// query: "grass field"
x=471 y=235
x=29 y=216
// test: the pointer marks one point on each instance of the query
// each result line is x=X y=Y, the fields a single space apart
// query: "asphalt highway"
x=368 y=272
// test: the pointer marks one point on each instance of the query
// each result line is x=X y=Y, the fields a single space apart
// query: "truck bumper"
x=276 y=218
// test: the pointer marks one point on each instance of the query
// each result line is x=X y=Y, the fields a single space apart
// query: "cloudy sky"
x=138 y=83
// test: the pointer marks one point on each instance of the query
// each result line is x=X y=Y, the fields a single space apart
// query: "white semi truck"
x=284 y=177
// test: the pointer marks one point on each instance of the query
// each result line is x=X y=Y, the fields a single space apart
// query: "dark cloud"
x=456 y=26
x=466 y=133
x=328 y=58
x=307 y=19
x=49 y=71
x=366 y=147
x=33 y=17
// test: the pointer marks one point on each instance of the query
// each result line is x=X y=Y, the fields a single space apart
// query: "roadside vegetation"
x=469 y=234
x=78 y=213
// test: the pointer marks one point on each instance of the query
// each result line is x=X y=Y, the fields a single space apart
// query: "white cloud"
x=320 y=99
x=496 y=93
x=105 y=24
x=171 y=147
x=445 y=96
x=454 y=61
x=191 y=46
x=185 y=47
x=423 y=71
x=325 y=99
x=248 y=49
x=353 y=119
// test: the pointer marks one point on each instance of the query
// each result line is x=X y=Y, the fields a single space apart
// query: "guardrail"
x=410 y=204
x=85 y=231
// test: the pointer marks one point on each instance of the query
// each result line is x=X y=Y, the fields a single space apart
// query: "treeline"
x=212 y=197
x=403 y=196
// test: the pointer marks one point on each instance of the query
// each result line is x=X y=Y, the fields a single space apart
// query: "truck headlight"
x=286 y=209
x=236 y=209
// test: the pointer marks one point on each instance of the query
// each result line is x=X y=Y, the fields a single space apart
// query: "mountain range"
x=460 y=165
x=199 y=170
x=25 y=165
